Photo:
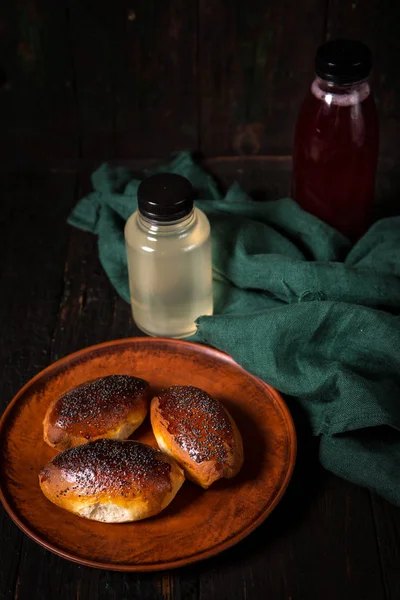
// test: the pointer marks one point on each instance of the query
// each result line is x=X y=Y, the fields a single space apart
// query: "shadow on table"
x=290 y=511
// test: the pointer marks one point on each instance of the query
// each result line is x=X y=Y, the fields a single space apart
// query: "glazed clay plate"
x=198 y=523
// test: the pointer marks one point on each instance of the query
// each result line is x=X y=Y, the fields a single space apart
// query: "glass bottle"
x=336 y=140
x=169 y=258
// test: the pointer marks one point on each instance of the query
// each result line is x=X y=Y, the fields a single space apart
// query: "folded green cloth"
x=296 y=305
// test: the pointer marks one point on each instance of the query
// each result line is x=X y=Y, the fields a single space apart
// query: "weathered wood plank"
x=37 y=97
x=387 y=523
x=156 y=104
x=32 y=248
x=255 y=63
x=95 y=32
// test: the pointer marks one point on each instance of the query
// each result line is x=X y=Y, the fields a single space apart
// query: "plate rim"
x=128 y=567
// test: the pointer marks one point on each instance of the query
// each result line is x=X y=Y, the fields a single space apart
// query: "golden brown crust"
x=111 y=407
x=111 y=480
x=198 y=432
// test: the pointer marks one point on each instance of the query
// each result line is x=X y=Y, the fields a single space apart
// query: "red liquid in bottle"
x=335 y=155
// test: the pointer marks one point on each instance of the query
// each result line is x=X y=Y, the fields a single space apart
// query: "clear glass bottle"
x=169 y=258
x=336 y=141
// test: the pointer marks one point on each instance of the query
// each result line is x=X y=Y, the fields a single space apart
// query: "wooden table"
x=327 y=540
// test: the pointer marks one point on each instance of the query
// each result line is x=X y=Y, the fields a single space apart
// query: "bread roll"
x=111 y=481
x=108 y=407
x=198 y=432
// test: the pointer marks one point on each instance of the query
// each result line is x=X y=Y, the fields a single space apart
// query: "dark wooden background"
x=116 y=78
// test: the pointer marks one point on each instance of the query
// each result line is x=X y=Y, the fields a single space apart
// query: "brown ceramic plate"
x=198 y=523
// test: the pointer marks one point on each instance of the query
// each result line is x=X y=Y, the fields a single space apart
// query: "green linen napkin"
x=296 y=305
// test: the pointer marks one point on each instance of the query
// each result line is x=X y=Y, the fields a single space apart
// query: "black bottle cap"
x=165 y=197
x=343 y=61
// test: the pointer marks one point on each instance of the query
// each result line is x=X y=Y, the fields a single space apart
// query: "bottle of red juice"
x=337 y=139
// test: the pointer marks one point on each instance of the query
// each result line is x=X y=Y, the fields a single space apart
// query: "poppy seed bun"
x=111 y=481
x=108 y=407
x=198 y=432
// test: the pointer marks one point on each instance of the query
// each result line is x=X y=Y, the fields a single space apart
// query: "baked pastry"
x=108 y=407
x=111 y=481
x=198 y=432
